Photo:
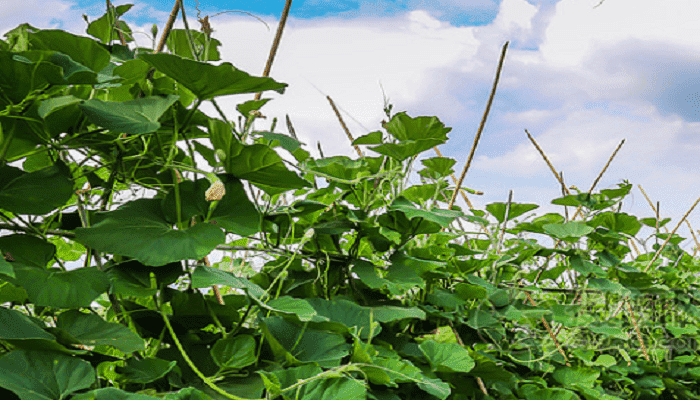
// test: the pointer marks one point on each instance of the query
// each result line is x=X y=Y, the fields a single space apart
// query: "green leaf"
x=440 y=165
x=441 y=217
x=136 y=117
x=609 y=286
x=392 y=313
x=110 y=393
x=370 y=138
x=262 y=166
x=340 y=167
x=617 y=222
x=289 y=305
x=234 y=351
x=92 y=330
x=576 y=376
x=345 y=313
x=404 y=128
x=415 y=135
x=103 y=29
x=447 y=357
x=27 y=250
x=608 y=330
x=20 y=77
x=15 y=325
x=35 y=193
x=568 y=231
x=204 y=276
x=83 y=50
x=286 y=142
x=192 y=200
x=404 y=150
x=207 y=81
x=40 y=375
x=305 y=345
x=146 y=370
x=498 y=210
x=178 y=43
x=56 y=288
x=132 y=278
x=235 y=212
x=139 y=229
x=6 y=268
x=53 y=104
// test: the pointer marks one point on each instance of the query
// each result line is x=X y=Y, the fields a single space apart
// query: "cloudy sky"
x=580 y=76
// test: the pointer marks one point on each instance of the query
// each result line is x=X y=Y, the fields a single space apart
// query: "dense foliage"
x=367 y=287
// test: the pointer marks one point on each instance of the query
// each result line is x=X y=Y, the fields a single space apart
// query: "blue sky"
x=580 y=78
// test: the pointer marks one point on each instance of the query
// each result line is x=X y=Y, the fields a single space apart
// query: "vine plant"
x=367 y=288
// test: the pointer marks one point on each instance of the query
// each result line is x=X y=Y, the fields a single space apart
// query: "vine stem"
x=189 y=362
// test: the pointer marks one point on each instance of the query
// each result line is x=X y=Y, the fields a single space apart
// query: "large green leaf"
x=442 y=217
x=235 y=212
x=498 y=210
x=27 y=250
x=293 y=342
x=20 y=76
x=204 y=276
x=409 y=148
x=447 y=357
x=73 y=72
x=415 y=135
x=341 y=167
x=81 y=49
x=55 y=288
x=207 y=81
x=134 y=116
x=35 y=193
x=234 y=352
x=262 y=166
x=192 y=201
x=110 y=393
x=92 y=330
x=104 y=27
x=345 y=313
x=139 y=229
x=568 y=231
x=17 y=326
x=280 y=382
x=178 y=43
x=146 y=370
x=41 y=375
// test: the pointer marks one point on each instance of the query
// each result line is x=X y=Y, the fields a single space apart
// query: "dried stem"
x=276 y=42
x=658 y=252
x=551 y=334
x=481 y=126
x=342 y=123
x=168 y=26
x=636 y=329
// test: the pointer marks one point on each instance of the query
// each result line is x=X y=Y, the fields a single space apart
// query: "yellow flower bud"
x=215 y=192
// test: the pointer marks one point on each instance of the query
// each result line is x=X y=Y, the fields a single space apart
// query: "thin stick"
x=168 y=26
x=636 y=329
x=650 y=204
x=276 y=42
x=342 y=123
x=291 y=128
x=600 y=175
x=551 y=334
x=481 y=126
x=658 y=252
x=454 y=179
x=546 y=160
